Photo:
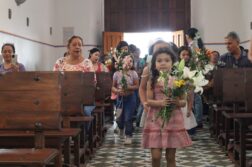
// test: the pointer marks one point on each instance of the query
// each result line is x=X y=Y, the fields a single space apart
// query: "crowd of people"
x=137 y=91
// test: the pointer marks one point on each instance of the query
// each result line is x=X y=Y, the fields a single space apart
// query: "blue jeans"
x=198 y=108
x=126 y=118
x=88 y=112
x=139 y=114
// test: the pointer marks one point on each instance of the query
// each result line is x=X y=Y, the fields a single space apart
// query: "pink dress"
x=173 y=134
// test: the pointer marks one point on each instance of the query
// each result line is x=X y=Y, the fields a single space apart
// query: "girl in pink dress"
x=173 y=135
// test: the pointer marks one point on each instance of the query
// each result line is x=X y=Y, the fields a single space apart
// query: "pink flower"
x=127 y=62
x=170 y=82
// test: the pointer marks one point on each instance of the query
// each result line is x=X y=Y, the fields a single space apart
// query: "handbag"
x=119 y=109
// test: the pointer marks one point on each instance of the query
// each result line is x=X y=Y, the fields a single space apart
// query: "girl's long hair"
x=153 y=69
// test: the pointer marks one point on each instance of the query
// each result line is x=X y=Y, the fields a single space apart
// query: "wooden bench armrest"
x=81 y=118
x=98 y=110
x=237 y=115
x=27 y=156
x=64 y=132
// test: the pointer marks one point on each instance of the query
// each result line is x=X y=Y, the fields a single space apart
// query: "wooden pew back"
x=104 y=85
x=27 y=98
x=248 y=90
x=77 y=90
x=234 y=85
x=217 y=87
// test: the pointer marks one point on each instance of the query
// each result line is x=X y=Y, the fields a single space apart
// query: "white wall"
x=33 y=55
x=215 y=18
x=247 y=19
x=86 y=16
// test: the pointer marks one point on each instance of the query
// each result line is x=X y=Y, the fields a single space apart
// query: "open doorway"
x=145 y=39
x=142 y=39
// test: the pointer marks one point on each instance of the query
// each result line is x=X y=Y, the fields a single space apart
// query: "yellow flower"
x=179 y=83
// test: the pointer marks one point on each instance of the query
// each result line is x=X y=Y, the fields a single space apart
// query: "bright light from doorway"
x=144 y=40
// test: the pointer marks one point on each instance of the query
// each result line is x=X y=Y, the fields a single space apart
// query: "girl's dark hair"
x=174 y=47
x=72 y=38
x=93 y=51
x=9 y=44
x=121 y=44
x=153 y=69
x=132 y=48
x=191 y=32
x=151 y=48
x=181 y=49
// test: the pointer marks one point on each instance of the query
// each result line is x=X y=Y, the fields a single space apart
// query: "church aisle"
x=204 y=153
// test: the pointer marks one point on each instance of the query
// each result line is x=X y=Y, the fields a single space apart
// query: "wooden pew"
x=243 y=134
x=237 y=89
x=77 y=90
x=222 y=103
x=30 y=97
x=233 y=92
x=103 y=90
x=37 y=156
x=21 y=108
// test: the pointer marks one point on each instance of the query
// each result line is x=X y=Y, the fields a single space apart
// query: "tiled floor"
x=204 y=153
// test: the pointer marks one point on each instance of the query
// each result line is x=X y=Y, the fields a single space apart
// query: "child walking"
x=185 y=54
x=125 y=82
x=173 y=134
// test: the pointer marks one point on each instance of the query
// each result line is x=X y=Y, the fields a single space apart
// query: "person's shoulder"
x=244 y=53
x=225 y=56
x=117 y=73
x=20 y=64
x=146 y=70
x=60 y=60
x=21 y=67
x=133 y=72
x=86 y=60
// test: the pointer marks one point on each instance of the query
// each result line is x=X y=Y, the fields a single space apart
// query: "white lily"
x=188 y=74
x=207 y=68
x=199 y=81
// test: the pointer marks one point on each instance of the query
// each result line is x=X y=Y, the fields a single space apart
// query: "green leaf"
x=181 y=65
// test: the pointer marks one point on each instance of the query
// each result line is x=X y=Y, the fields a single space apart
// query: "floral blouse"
x=3 y=70
x=130 y=77
x=85 y=66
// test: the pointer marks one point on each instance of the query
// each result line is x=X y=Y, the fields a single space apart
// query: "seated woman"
x=10 y=64
x=75 y=60
x=94 y=56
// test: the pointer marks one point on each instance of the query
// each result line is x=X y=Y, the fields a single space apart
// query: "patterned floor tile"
x=204 y=153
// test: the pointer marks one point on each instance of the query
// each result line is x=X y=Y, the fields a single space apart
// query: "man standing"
x=236 y=57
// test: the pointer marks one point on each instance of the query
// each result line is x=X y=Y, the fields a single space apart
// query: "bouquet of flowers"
x=175 y=86
x=108 y=63
x=124 y=64
x=200 y=58
x=183 y=80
